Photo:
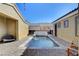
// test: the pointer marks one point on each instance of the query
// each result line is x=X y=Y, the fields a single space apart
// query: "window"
x=66 y=24
x=59 y=24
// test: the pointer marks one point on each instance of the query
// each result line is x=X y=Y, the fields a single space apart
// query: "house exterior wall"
x=7 y=26
x=2 y=26
x=68 y=33
x=11 y=11
x=43 y=27
x=11 y=26
x=23 y=29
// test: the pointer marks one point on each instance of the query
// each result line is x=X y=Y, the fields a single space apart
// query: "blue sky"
x=44 y=12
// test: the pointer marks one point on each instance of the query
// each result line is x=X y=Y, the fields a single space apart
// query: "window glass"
x=66 y=23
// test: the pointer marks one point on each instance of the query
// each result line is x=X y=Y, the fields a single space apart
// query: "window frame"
x=66 y=23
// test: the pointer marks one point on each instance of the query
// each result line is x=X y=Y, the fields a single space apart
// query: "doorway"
x=55 y=26
x=77 y=26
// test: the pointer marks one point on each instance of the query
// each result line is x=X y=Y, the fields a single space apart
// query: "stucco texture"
x=68 y=33
x=12 y=22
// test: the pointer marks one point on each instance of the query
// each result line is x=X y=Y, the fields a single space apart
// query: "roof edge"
x=66 y=14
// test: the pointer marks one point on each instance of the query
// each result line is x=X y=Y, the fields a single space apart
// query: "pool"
x=41 y=42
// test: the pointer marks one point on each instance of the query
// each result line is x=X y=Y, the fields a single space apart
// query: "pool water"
x=41 y=42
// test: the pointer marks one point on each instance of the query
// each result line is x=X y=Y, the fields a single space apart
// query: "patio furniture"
x=73 y=50
x=7 y=38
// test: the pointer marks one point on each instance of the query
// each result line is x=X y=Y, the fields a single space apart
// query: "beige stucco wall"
x=11 y=11
x=7 y=25
x=68 y=34
x=22 y=29
x=8 y=10
x=2 y=26
x=11 y=26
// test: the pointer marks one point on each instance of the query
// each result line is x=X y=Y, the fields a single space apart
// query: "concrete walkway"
x=61 y=41
x=11 y=48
